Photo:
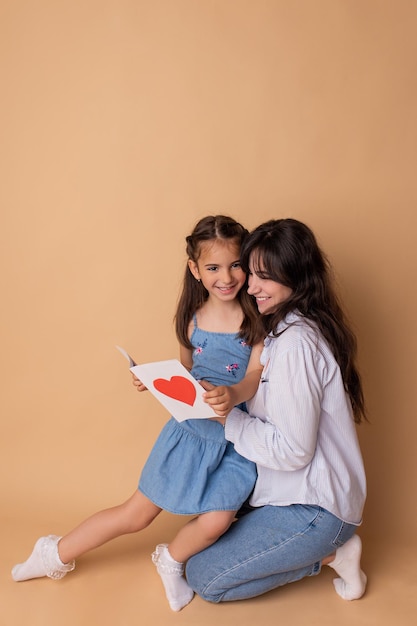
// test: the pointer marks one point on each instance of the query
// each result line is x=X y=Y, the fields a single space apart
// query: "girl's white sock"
x=44 y=561
x=177 y=590
x=347 y=563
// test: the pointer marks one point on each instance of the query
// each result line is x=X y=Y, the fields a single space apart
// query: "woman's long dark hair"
x=194 y=294
x=287 y=252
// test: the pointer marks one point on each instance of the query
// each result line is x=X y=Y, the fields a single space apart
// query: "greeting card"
x=172 y=384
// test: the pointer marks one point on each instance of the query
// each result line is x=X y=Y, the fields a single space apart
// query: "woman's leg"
x=199 y=533
x=347 y=563
x=265 y=549
x=54 y=556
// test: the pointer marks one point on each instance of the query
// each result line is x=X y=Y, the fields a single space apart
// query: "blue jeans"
x=266 y=548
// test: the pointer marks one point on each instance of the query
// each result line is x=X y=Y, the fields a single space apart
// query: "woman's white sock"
x=347 y=563
x=44 y=561
x=177 y=590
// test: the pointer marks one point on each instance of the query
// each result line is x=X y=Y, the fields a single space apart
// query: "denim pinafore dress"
x=192 y=468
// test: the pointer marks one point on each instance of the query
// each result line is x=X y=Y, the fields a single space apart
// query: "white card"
x=172 y=384
x=127 y=356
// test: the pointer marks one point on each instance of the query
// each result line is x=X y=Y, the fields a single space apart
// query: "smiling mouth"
x=226 y=288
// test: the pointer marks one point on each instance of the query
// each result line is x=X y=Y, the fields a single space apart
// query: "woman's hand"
x=138 y=383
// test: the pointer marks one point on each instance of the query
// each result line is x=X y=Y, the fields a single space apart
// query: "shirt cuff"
x=233 y=421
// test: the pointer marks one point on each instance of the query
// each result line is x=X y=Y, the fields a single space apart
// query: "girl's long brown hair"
x=194 y=294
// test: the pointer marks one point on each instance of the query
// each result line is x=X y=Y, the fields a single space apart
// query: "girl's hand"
x=138 y=383
x=219 y=398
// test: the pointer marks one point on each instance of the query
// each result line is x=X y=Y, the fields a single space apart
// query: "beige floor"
x=117 y=586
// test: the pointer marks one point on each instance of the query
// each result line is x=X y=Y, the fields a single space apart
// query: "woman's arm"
x=288 y=408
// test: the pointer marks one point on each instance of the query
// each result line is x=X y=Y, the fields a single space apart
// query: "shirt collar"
x=289 y=319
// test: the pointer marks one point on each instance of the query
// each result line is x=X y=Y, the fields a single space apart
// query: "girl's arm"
x=186 y=357
x=222 y=399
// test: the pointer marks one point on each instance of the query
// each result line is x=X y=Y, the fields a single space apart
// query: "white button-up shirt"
x=303 y=439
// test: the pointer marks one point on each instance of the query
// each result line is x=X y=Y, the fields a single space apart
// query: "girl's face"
x=218 y=268
x=268 y=293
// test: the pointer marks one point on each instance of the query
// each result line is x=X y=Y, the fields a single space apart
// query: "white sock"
x=347 y=563
x=177 y=590
x=44 y=561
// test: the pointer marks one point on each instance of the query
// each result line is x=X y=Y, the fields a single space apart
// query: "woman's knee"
x=196 y=574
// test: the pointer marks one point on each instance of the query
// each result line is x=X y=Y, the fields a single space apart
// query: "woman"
x=300 y=431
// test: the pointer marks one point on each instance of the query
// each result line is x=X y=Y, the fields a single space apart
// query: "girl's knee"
x=138 y=512
x=214 y=525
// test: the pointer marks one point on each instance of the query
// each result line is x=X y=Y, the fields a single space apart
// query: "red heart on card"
x=177 y=387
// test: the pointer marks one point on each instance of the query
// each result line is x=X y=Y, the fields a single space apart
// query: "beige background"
x=122 y=123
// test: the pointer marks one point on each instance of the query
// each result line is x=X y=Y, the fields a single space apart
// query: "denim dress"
x=192 y=468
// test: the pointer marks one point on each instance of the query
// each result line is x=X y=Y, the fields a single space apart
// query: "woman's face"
x=267 y=292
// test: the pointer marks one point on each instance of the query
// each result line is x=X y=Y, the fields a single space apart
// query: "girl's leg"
x=133 y=515
x=267 y=548
x=54 y=556
x=199 y=533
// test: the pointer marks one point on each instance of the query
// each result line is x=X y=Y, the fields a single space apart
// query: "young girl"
x=192 y=469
